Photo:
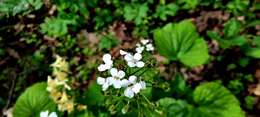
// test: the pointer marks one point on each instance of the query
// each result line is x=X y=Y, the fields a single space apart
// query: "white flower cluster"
x=145 y=44
x=117 y=79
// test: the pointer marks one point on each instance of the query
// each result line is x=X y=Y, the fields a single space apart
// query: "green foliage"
x=33 y=101
x=253 y=52
x=102 y=17
x=216 y=101
x=232 y=28
x=107 y=42
x=250 y=101
x=55 y=27
x=162 y=11
x=208 y=100
x=136 y=13
x=231 y=35
x=93 y=95
x=13 y=7
x=188 y=4
x=180 y=41
x=236 y=6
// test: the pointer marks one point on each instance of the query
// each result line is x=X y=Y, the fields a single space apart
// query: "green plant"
x=208 y=100
x=136 y=13
x=34 y=100
x=14 y=7
x=107 y=42
x=181 y=42
x=162 y=11
x=56 y=27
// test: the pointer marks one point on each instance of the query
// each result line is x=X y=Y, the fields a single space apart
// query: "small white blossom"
x=145 y=44
x=122 y=52
x=105 y=82
x=46 y=114
x=139 y=49
x=108 y=63
x=134 y=60
x=149 y=47
x=117 y=75
x=145 y=41
x=133 y=87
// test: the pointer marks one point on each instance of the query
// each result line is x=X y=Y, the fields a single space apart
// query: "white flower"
x=149 y=47
x=145 y=41
x=122 y=52
x=108 y=63
x=134 y=60
x=105 y=82
x=145 y=44
x=117 y=75
x=133 y=87
x=46 y=114
x=139 y=49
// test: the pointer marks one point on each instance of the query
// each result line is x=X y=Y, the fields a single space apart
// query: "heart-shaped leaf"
x=208 y=100
x=33 y=101
x=181 y=42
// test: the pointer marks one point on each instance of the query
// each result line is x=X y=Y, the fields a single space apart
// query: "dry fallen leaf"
x=257 y=90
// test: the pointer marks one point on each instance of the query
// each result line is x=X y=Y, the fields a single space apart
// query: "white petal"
x=106 y=57
x=121 y=74
x=53 y=114
x=105 y=86
x=129 y=93
x=109 y=62
x=136 y=88
x=101 y=80
x=137 y=56
x=132 y=79
x=138 y=44
x=139 y=49
x=110 y=80
x=149 y=47
x=129 y=57
x=143 y=85
x=122 y=52
x=108 y=66
x=144 y=41
x=117 y=84
x=140 y=64
x=113 y=72
x=44 y=114
x=125 y=83
x=102 y=67
x=131 y=64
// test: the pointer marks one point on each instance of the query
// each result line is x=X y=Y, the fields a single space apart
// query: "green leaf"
x=189 y=4
x=253 y=23
x=253 y=52
x=256 y=41
x=107 y=42
x=136 y=13
x=232 y=28
x=197 y=55
x=172 y=107
x=214 y=100
x=162 y=11
x=56 y=27
x=93 y=95
x=208 y=100
x=181 y=42
x=33 y=101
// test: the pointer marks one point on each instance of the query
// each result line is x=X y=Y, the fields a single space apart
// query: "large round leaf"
x=180 y=41
x=34 y=100
x=208 y=100
x=214 y=100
